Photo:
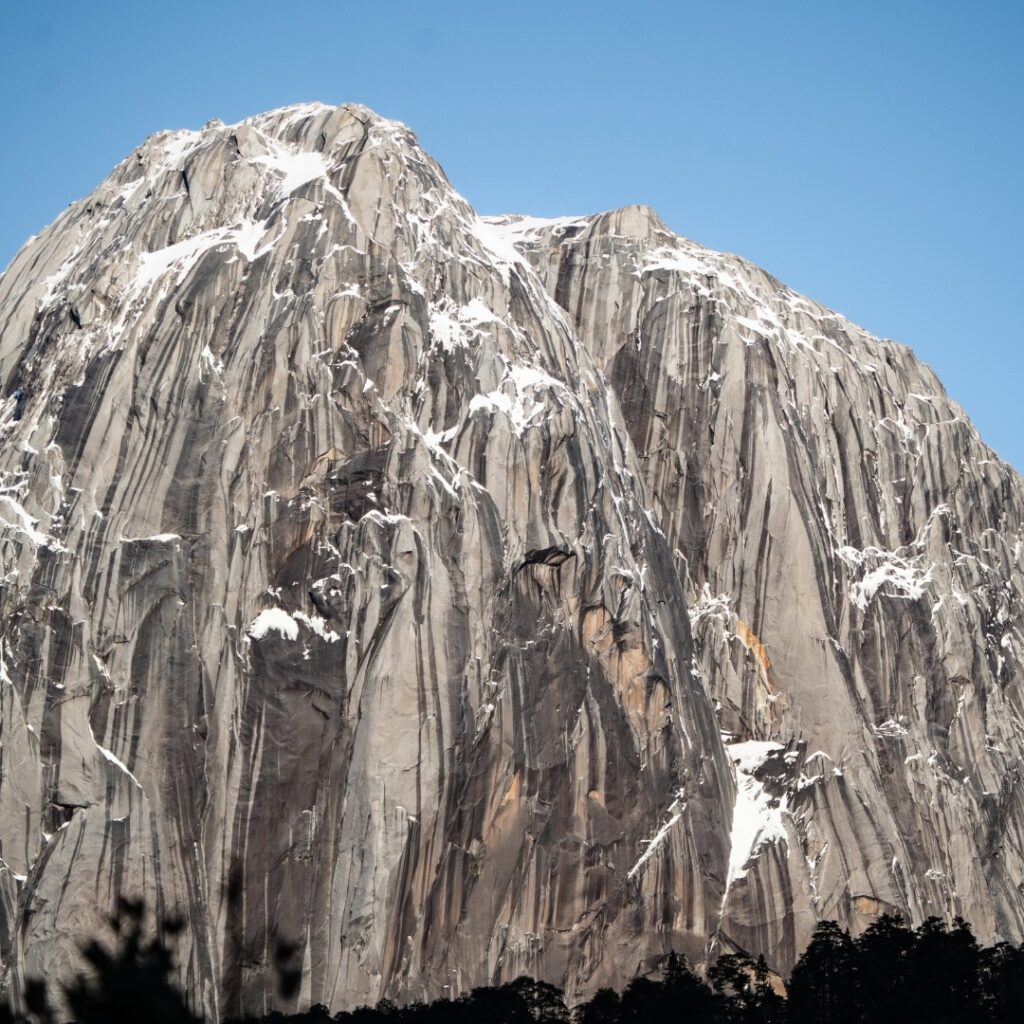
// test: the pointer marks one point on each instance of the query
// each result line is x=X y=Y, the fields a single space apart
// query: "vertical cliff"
x=855 y=577
x=333 y=611
x=464 y=598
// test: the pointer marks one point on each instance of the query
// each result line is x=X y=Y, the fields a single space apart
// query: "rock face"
x=854 y=578
x=463 y=598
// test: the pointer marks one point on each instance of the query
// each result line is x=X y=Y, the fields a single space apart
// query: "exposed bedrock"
x=854 y=559
x=460 y=598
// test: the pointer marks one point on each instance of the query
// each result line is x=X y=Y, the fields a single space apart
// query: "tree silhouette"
x=731 y=977
x=1001 y=983
x=745 y=993
x=935 y=973
x=683 y=989
x=767 y=1006
x=823 y=988
x=604 y=1008
x=941 y=982
x=882 y=963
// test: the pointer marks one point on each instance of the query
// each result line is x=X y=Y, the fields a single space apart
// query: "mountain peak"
x=477 y=596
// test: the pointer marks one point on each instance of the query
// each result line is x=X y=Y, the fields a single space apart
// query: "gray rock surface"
x=854 y=577
x=464 y=598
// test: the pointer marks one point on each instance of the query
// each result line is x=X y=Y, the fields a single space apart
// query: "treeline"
x=933 y=974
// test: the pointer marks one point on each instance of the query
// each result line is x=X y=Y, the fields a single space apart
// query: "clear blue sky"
x=867 y=153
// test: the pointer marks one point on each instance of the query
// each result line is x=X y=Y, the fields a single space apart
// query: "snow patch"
x=455 y=326
x=246 y=236
x=675 y=812
x=318 y=625
x=298 y=168
x=903 y=577
x=176 y=146
x=153 y=265
x=498 y=244
x=276 y=619
x=674 y=260
x=710 y=605
x=890 y=728
x=757 y=819
x=118 y=763
x=519 y=229
x=111 y=757
x=156 y=538
x=520 y=406
x=18 y=519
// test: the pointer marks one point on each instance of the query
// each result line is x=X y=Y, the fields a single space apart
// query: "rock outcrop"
x=459 y=598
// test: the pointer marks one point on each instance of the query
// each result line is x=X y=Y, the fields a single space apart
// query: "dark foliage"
x=823 y=987
x=935 y=973
x=132 y=983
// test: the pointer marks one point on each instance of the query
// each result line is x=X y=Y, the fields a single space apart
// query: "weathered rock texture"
x=461 y=599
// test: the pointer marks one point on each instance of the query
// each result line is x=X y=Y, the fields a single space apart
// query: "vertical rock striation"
x=333 y=611
x=463 y=598
x=854 y=582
